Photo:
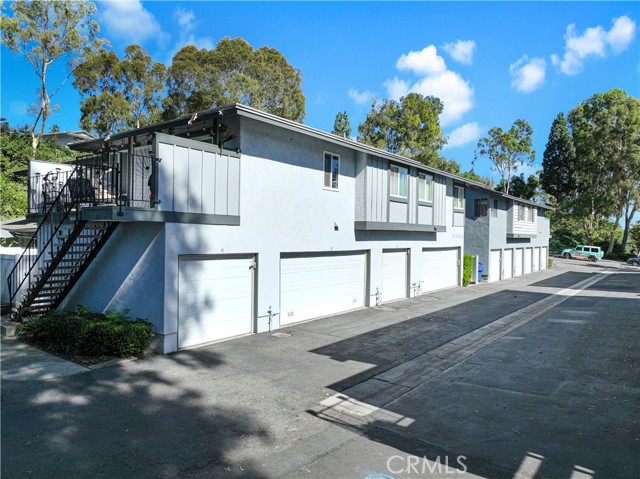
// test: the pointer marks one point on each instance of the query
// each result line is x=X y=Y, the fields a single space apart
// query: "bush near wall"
x=84 y=333
x=467 y=269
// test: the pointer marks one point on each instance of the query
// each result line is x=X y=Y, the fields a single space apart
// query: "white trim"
x=324 y=186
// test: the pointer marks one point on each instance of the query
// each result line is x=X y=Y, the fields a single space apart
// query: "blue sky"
x=491 y=63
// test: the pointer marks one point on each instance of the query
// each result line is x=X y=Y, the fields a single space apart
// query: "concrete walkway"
x=21 y=362
x=531 y=377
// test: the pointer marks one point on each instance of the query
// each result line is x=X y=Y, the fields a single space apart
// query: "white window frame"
x=425 y=187
x=458 y=200
x=329 y=174
x=395 y=181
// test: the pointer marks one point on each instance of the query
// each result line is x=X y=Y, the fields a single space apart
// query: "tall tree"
x=606 y=134
x=558 y=169
x=119 y=94
x=44 y=32
x=507 y=150
x=527 y=190
x=15 y=152
x=341 y=126
x=410 y=127
x=233 y=72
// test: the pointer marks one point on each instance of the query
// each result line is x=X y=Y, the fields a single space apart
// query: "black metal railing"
x=117 y=179
x=58 y=212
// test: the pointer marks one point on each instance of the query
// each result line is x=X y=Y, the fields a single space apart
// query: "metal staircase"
x=67 y=246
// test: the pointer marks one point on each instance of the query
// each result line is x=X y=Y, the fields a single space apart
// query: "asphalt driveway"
x=535 y=376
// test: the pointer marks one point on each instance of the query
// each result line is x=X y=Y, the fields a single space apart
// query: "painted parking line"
x=377 y=392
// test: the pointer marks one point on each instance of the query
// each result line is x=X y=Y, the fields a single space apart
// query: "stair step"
x=66 y=260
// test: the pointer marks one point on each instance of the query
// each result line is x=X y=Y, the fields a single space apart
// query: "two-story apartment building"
x=232 y=221
x=508 y=234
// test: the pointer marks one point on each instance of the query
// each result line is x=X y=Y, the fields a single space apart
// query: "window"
x=521 y=212
x=425 y=187
x=398 y=181
x=331 y=170
x=458 y=197
x=494 y=210
x=480 y=207
x=534 y=212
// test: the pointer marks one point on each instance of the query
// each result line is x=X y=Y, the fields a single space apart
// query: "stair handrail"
x=25 y=257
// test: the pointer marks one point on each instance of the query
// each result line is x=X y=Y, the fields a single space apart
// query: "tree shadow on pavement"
x=133 y=420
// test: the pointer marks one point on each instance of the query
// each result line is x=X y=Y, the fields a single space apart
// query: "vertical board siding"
x=440 y=200
x=180 y=179
x=222 y=173
x=208 y=180
x=193 y=179
x=195 y=182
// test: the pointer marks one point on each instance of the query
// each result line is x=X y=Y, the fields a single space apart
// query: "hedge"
x=84 y=333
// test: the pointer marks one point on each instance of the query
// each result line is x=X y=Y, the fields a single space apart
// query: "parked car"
x=634 y=261
x=592 y=253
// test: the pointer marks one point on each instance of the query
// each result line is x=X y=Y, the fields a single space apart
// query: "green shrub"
x=84 y=333
x=467 y=269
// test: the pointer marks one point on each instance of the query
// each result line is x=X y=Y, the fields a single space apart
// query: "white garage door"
x=536 y=259
x=543 y=258
x=394 y=275
x=214 y=298
x=507 y=264
x=517 y=262
x=527 y=260
x=318 y=285
x=494 y=266
x=439 y=269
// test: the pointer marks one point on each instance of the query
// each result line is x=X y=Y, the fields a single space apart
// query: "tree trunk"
x=627 y=225
x=612 y=238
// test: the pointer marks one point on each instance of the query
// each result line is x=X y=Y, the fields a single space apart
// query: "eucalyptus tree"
x=118 y=95
x=46 y=32
x=409 y=127
x=507 y=150
x=606 y=135
x=233 y=72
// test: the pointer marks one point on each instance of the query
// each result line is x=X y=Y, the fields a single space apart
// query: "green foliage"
x=467 y=269
x=518 y=187
x=634 y=236
x=558 y=164
x=606 y=135
x=119 y=95
x=410 y=128
x=44 y=32
x=507 y=150
x=15 y=152
x=83 y=333
x=341 y=126
x=233 y=72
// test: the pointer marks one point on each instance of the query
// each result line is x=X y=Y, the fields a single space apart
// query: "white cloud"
x=186 y=20
x=461 y=51
x=463 y=135
x=593 y=43
x=128 y=19
x=527 y=75
x=434 y=79
x=425 y=62
x=396 y=88
x=360 y=97
x=621 y=34
x=455 y=93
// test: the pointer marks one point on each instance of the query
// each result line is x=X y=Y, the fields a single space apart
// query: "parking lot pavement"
x=531 y=377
